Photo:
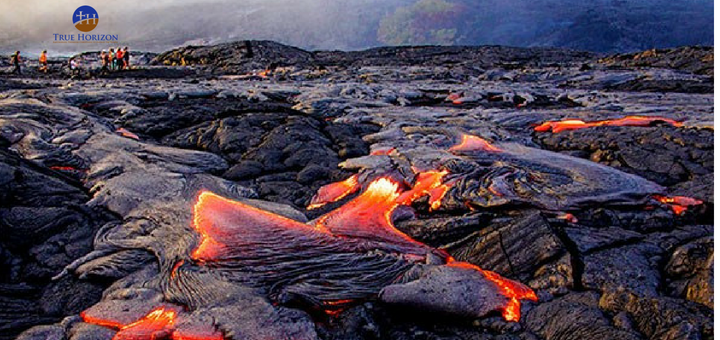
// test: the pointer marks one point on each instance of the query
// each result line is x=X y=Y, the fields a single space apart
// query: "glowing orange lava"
x=212 y=214
x=335 y=308
x=125 y=133
x=334 y=192
x=513 y=290
x=575 y=124
x=678 y=204
x=426 y=183
x=368 y=215
x=436 y=196
x=157 y=324
x=474 y=143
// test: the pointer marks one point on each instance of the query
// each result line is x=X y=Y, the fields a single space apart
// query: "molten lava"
x=368 y=215
x=160 y=323
x=127 y=134
x=575 y=124
x=334 y=192
x=213 y=213
x=436 y=196
x=678 y=204
x=428 y=183
x=513 y=290
x=474 y=143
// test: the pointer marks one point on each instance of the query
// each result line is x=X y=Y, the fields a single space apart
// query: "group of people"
x=114 y=60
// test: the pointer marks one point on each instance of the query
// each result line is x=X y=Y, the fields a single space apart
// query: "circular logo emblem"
x=85 y=18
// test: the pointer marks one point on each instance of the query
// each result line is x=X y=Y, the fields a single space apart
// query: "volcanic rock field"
x=253 y=190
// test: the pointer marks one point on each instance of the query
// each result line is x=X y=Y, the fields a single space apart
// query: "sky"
x=159 y=25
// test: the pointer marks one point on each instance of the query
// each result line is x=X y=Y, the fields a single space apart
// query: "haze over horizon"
x=601 y=26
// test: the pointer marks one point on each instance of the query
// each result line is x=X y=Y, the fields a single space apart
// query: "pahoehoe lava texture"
x=257 y=191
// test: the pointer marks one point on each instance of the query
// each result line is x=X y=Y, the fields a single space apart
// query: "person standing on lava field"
x=104 y=62
x=15 y=60
x=74 y=67
x=43 y=62
x=119 y=58
x=126 y=58
x=111 y=59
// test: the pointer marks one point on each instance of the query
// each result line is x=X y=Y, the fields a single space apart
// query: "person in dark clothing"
x=126 y=58
x=15 y=60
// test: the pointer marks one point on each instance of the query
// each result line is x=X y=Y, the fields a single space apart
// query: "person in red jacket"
x=119 y=58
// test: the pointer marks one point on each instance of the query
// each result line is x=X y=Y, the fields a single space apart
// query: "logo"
x=85 y=18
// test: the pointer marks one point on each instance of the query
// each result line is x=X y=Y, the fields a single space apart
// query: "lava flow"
x=362 y=225
x=159 y=324
x=428 y=183
x=334 y=192
x=370 y=213
x=347 y=255
x=212 y=214
x=576 y=124
x=678 y=204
